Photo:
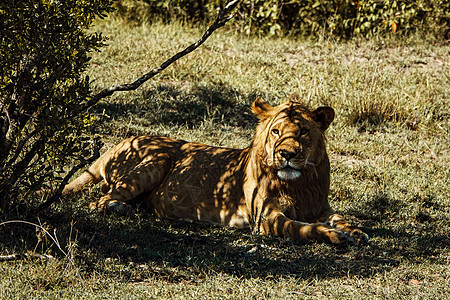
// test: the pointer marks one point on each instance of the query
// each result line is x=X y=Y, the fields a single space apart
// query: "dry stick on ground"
x=223 y=17
x=19 y=256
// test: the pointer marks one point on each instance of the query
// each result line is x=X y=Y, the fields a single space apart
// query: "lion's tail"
x=91 y=175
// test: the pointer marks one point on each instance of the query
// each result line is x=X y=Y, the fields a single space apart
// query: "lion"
x=278 y=185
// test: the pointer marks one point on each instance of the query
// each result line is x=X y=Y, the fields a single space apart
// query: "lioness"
x=278 y=185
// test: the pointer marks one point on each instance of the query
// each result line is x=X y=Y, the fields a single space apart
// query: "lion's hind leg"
x=141 y=179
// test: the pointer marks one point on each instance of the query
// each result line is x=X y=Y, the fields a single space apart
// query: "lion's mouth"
x=288 y=173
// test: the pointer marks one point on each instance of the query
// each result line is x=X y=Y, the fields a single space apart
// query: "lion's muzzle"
x=288 y=173
x=288 y=163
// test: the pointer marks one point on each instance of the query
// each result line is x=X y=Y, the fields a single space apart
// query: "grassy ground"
x=389 y=149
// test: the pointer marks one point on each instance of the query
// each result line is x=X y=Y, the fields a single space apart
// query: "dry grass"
x=390 y=173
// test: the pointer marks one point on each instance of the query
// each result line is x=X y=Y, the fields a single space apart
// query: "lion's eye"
x=304 y=131
x=275 y=132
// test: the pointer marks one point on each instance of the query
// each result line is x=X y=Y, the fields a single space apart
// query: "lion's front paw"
x=354 y=233
x=337 y=237
x=121 y=208
x=113 y=206
x=359 y=236
x=334 y=235
x=96 y=207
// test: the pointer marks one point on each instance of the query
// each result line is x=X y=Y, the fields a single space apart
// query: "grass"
x=389 y=151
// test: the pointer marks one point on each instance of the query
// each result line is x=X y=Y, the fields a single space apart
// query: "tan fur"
x=279 y=185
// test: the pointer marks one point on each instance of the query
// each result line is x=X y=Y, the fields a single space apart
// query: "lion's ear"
x=294 y=98
x=323 y=115
x=261 y=108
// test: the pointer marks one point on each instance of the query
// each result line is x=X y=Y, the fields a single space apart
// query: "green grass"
x=389 y=151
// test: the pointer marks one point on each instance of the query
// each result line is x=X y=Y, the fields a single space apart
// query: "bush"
x=342 y=18
x=43 y=53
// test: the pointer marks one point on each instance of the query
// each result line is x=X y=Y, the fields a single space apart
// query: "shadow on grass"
x=139 y=249
x=142 y=248
x=174 y=105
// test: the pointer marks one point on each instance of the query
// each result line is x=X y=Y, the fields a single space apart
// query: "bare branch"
x=19 y=149
x=222 y=18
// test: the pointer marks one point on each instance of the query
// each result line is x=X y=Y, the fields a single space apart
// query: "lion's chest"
x=305 y=199
x=307 y=204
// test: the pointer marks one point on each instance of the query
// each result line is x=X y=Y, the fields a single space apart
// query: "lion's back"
x=134 y=151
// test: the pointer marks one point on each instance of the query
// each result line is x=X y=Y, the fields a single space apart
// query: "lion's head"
x=289 y=137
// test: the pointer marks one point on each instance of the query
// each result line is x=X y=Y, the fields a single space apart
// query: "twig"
x=92 y=239
x=18 y=149
x=19 y=256
x=222 y=18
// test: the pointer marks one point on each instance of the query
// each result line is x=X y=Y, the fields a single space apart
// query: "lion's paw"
x=95 y=207
x=338 y=237
x=359 y=236
x=116 y=207
x=121 y=208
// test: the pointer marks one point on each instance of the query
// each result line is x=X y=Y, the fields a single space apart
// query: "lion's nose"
x=287 y=154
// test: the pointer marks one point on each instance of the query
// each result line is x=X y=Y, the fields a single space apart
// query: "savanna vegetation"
x=341 y=18
x=389 y=150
